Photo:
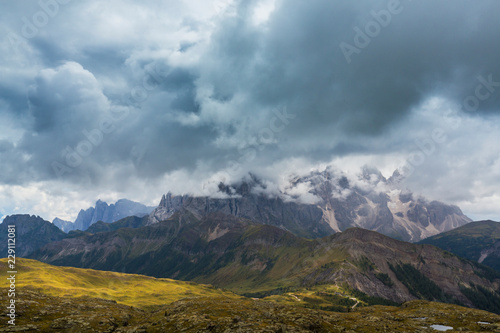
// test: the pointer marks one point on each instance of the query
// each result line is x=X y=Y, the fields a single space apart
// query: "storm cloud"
x=135 y=99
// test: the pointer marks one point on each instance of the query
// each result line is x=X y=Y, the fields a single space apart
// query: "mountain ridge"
x=478 y=241
x=104 y=212
x=247 y=257
x=370 y=201
x=32 y=232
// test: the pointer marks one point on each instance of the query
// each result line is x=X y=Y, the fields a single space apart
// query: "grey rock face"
x=370 y=201
x=302 y=220
x=106 y=213
x=65 y=226
x=169 y=204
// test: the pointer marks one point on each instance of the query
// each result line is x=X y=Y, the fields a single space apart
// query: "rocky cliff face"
x=106 y=213
x=65 y=226
x=302 y=220
x=372 y=202
x=368 y=201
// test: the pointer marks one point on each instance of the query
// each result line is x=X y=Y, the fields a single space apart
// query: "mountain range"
x=328 y=240
x=260 y=260
x=311 y=206
x=55 y=299
x=323 y=203
x=103 y=212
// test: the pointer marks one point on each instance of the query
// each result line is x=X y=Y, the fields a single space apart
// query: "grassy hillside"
x=144 y=291
x=261 y=260
x=54 y=299
x=41 y=313
x=129 y=289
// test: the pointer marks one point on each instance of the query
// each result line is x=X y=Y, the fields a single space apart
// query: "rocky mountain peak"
x=372 y=175
x=65 y=226
x=245 y=187
x=104 y=212
x=396 y=178
x=324 y=202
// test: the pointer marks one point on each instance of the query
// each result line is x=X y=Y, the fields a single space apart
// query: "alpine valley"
x=310 y=256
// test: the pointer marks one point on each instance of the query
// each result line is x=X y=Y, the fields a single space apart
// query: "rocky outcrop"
x=169 y=204
x=31 y=233
x=65 y=226
x=105 y=213
x=302 y=220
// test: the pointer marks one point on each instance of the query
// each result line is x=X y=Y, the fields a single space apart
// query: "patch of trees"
x=418 y=284
x=482 y=298
x=385 y=279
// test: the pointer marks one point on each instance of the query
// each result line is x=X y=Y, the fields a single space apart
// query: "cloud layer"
x=125 y=98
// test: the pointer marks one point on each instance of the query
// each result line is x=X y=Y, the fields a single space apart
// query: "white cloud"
x=37 y=199
x=263 y=10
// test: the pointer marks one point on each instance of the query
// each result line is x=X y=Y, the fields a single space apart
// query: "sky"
x=133 y=99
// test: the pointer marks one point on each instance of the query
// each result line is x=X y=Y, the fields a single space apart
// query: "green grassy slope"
x=262 y=260
x=129 y=289
x=41 y=313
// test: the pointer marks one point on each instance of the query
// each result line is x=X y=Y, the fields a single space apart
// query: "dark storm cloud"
x=208 y=109
x=181 y=83
x=428 y=48
x=62 y=103
x=14 y=98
